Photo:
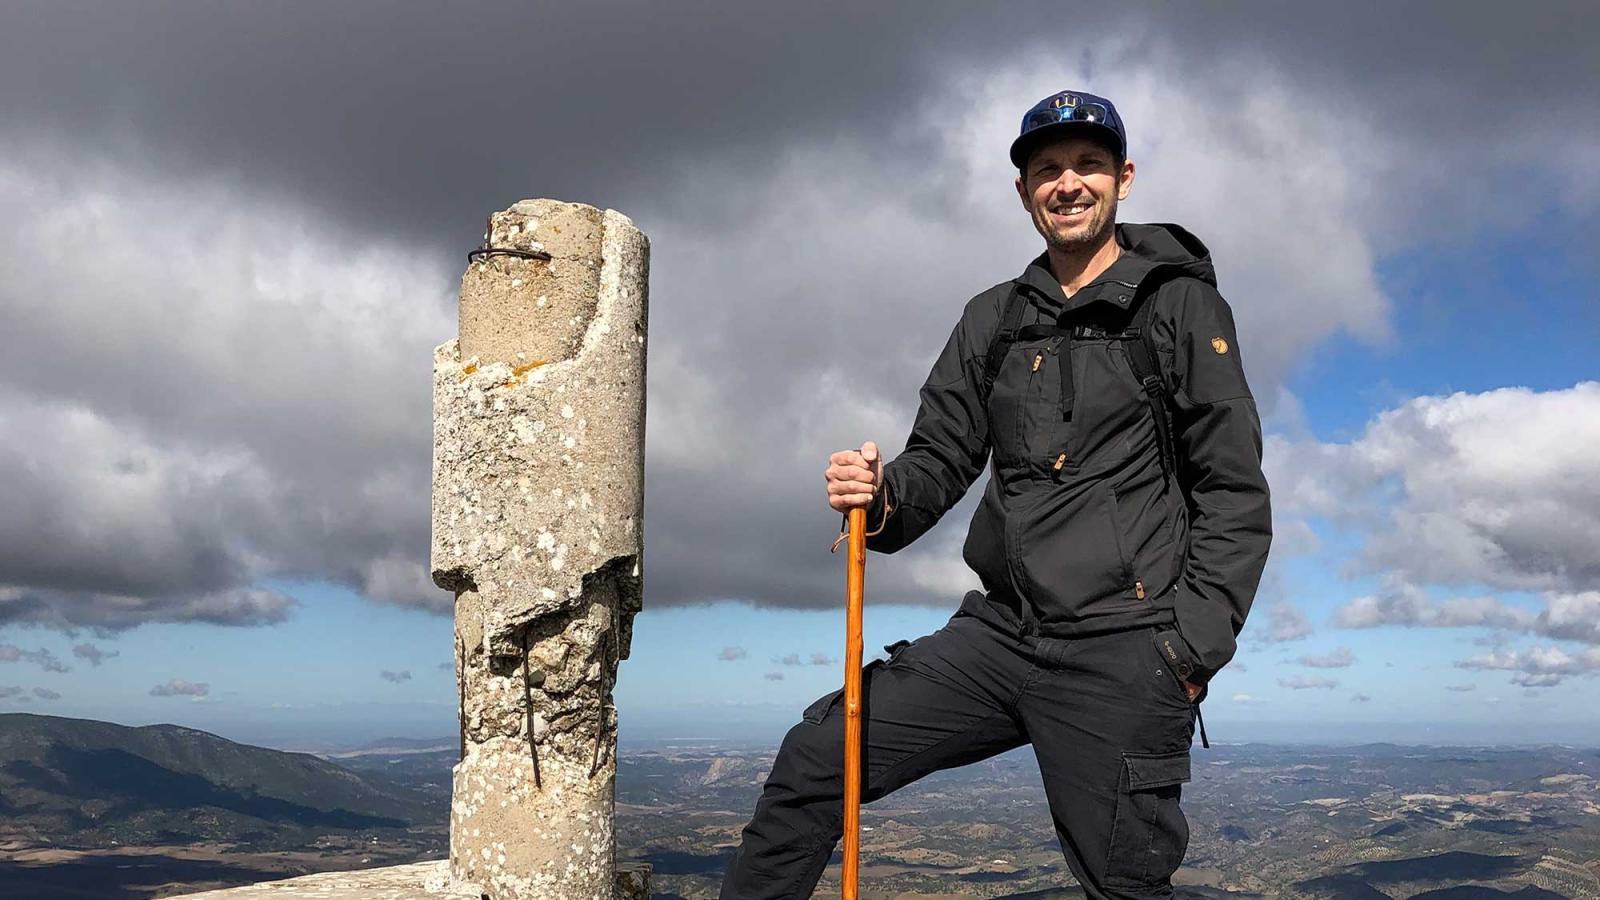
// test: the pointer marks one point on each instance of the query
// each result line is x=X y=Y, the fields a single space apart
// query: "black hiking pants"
x=1110 y=726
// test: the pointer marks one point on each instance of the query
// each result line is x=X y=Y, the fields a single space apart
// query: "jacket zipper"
x=1014 y=515
x=1027 y=397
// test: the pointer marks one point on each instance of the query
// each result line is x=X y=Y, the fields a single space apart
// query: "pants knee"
x=810 y=755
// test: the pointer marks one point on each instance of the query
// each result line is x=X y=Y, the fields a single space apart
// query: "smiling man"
x=1119 y=541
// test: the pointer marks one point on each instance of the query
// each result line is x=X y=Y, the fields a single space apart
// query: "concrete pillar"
x=538 y=505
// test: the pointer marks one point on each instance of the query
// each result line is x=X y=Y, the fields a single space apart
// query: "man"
x=1120 y=539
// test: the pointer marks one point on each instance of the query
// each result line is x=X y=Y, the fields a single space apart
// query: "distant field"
x=1329 y=823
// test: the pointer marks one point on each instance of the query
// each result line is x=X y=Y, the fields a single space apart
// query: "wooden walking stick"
x=855 y=582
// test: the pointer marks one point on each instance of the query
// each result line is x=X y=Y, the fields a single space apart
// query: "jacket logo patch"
x=1219 y=345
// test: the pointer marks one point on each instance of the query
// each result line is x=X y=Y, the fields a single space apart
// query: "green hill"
x=77 y=782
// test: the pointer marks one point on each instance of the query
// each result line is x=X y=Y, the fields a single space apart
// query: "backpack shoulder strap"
x=1010 y=319
x=1145 y=360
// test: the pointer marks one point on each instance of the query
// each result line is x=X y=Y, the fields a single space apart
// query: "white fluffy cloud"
x=178 y=687
x=1562 y=616
x=1338 y=659
x=1285 y=622
x=1499 y=489
x=1543 y=666
x=1496 y=492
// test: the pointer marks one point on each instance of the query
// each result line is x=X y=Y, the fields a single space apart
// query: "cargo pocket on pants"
x=1149 y=833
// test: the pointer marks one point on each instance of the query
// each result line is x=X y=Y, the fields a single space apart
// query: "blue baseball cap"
x=1059 y=115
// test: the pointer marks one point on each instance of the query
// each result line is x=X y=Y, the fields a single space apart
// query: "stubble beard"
x=1103 y=218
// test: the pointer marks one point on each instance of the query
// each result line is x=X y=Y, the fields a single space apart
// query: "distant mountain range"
x=82 y=783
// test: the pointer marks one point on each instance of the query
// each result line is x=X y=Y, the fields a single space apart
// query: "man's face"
x=1071 y=188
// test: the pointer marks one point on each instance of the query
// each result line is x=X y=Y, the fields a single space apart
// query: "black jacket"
x=1104 y=542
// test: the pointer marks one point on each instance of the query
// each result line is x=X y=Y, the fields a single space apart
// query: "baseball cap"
x=1064 y=113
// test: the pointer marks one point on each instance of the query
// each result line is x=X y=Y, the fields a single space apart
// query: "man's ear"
x=1022 y=194
x=1125 y=182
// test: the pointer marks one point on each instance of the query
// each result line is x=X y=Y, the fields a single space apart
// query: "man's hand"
x=1193 y=689
x=854 y=477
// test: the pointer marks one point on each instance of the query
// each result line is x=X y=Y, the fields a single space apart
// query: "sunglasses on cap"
x=1077 y=112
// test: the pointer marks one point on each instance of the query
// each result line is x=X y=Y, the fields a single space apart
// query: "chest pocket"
x=1064 y=397
x=1109 y=419
x=1025 y=408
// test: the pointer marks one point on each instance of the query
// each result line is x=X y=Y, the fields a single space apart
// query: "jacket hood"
x=1145 y=249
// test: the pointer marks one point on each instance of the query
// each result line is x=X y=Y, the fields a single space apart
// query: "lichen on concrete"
x=538 y=529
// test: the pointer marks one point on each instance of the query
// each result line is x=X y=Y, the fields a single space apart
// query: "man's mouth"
x=1072 y=211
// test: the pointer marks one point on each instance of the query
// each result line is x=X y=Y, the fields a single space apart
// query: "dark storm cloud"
x=233 y=232
x=423 y=116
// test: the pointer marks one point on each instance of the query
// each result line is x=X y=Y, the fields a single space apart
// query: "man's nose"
x=1068 y=182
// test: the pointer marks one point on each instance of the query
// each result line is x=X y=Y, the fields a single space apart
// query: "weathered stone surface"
x=537 y=526
x=418 y=881
x=633 y=881
x=430 y=880
x=521 y=311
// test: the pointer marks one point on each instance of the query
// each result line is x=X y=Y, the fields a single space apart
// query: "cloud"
x=1460 y=688
x=1544 y=666
x=1562 y=616
x=1338 y=659
x=729 y=654
x=1497 y=489
x=254 y=403
x=42 y=658
x=795 y=659
x=177 y=687
x=1304 y=682
x=773 y=676
x=1360 y=698
x=1285 y=622
x=1246 y=699
x=395 y=677
x=93 y=654
x=12 y=692
x=1402 y=603
x=46 y=694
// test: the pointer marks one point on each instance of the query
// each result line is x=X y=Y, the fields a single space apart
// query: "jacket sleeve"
x=1217 y=439
x=949 y=442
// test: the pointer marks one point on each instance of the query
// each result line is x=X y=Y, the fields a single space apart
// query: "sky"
x=235 y=232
